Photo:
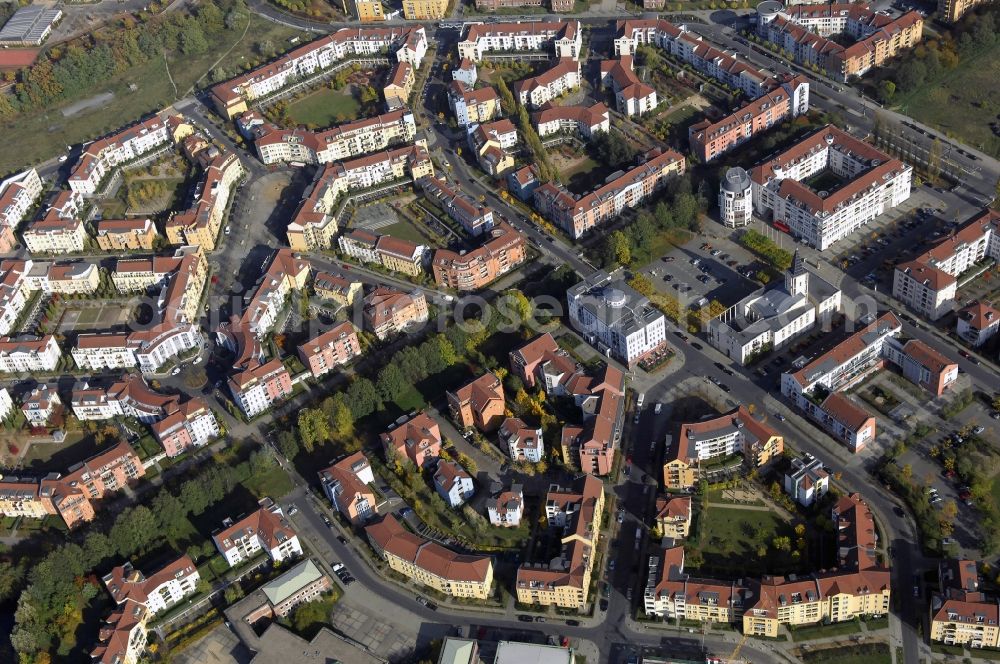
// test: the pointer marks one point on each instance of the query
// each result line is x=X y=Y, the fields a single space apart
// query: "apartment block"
x=632 y=97
x=673 y=516
x=561 y=38
x=952 y=10
x=360 y=137
x=403 y=44
x=453 y=483
x=978 y=323
x=479 y=403
x=492 y=144
x=473 y=106
x=399 y=87
x=805 y=31
x=40 y=405
x=123 y=636
x=521 y=441
x=466 y=72
x=575 y=513
x=506 y=510
x=585 y=121
x=961 y=613
x=70 y=278
x=708 y=140
x=337 y=289
x=331 y=349
x=128 y=397
x=504 y=249
x=600 y=398
x=192 y=424
x=101 y=157
x=615 y=318
x=278 y=597
x=388 y=311
x=540 y=358
x=696 y=444
x=424 y=10
x=577 y=215
x=59 y=231
x=28 y=354
x=266 y=530
x=429 y=563
x=556 y=81
x=259 y=386
x=871 y=184
x=201 y=224
x=346 y=485
x=158 y=592
x=417 y=440
x=125 y=234
x=929 y=283
x=18 y=195
x=672 y=594
x=390 y=252
x=14 y=292
x=285 y=272
x=806 y=481
x=369 y=11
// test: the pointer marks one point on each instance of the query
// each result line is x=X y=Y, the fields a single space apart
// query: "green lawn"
x=729 y=539
x=38 y=136
x=273 y=484
x=962 y=102
x=405 y=230
x=325 y=107
x=868 y=653
x=824 y=631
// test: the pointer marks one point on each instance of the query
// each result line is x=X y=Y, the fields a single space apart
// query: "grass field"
x=36 y=137
x=325 y=107
x=963 y=102
x=730 y=536
x=405 y=229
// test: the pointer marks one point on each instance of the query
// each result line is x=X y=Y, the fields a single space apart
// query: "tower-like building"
x=735 y=198
x=797 y=277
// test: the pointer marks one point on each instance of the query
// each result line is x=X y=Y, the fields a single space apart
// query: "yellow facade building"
x=369 y=11
x=424 y=10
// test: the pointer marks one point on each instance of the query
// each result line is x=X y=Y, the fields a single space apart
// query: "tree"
x=313 y=428
x=506 y=98
x=612 y=148
x=193 y=40
x=288 y=444
x=934 y=161
x=362 y=398
x=888 y=90
x=341 y=421
x=782 y=543
x=620 y=247
x=391 y=382
x=134 y=528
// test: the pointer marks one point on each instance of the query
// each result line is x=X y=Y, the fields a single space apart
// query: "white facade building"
x=266 y=530
x=27 y=354
x=615 y=318
x=806 y=481
x=522 y=442
x=506 y=510
x=735 y=198
x=453 y=483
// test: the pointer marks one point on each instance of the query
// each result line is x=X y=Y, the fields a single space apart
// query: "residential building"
x=266 y=530
x=128 y=397
x=870 y=183
x=424 y=10
x=160 y=591
x=615 y=318
x=360 y=243
x=21 y=498
x=578 y=215
x=473 y=106
x=466 y=72
x=257 y=387
x=6 y=404
x=190 y=425
x=708 y=140
x=201 y=224
x=672 y=594
x=28 y=354
x=601 y=401
x=353 y=139
x=961 y=613
x=40 y=405
x=102 y=157
x=346 y=484
x=951 y=10
x=286 y=272
x=504 y=248
x=507 y=507
x=278 y=645
x=632 y=96
x=771 y=319
x=418 y=440
x=333 y=348
x=453 y=483
x=535 y=360
x=491 y=142
x=474 y=218
x=368 y=11
x=107 y=472
x=479 y=403
x=673 y=516
x=554 y=82
x=978 y=323
x=399 y=87
x=575 y=513
x=922 y=364
x=806 y=481
x=429 y=563
x=71 y=278
x=523 y=182
x=806 y=31
x=14 y=293
x=698 y=445
x=18 y=195
x=313 y=225
x=122 y=637
x=521 y=441
x=125 y=234
x=335 y=288
x=59 y=231
x=388 y=311
x=928 y=284
x=278 y=597
x=493 y=5
x=561 y=38
x=401 y=44
x=735 y=198
x=585 y=121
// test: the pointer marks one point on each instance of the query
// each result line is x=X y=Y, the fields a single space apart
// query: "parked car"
x=573 y=623
x=524 y=618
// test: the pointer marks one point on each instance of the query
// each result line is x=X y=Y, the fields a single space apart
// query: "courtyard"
x=325 y=107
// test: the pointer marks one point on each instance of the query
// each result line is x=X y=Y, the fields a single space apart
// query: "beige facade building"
x=119 y=234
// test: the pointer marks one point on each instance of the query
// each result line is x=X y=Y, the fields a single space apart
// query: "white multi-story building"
x=508 y=507
x=929 y=283
x=275 y=145
x=453 y=483
x=868 y=183
x=473 y=106
x=632 y=96
x=770 y=319
x=563 y=37
x=59 y=231
x=522 y=442
x=615 y=318
x=102 y=156
x=27 y=354
x=191 y=424
x=100 y=351
x=265 y=530
x=735 y=198
x=6 y=403
x=978 y=323
x=582 y=120
x=558 y=80
x=18 y=194
x=158 y=592
x=806 y=481
x=129 y=397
